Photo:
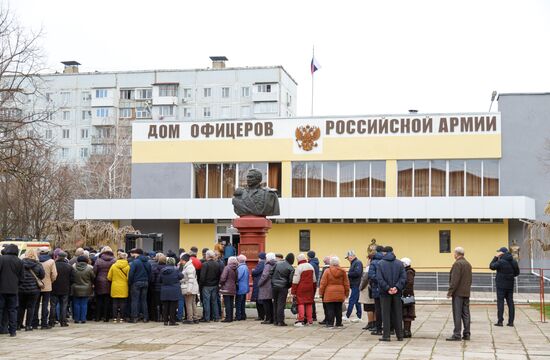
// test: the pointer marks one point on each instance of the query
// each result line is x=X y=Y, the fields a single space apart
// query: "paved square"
x=530 y=339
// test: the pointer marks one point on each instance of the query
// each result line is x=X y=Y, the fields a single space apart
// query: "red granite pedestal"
x=253 y=231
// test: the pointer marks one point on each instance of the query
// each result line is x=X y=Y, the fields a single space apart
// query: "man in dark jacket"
x=507 y=269
x=391 y=278
x=314 y=262
x=138 y=280
x=375 y=290
x=11 y=273
x=460 y=283
x=281 y=281
x=354 y=275
x=61 y=288
x=209 y=279
x=256 y=274
x=326 y=265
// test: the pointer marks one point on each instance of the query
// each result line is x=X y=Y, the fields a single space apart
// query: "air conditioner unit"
x=183 y=101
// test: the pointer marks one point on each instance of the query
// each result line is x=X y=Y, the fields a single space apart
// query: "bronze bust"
x=255 y=200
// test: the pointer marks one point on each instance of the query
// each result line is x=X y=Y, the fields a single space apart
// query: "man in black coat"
x=391 y=278
x=507 y=269
x=209 y=280
x=11 y=273
x=61 y=288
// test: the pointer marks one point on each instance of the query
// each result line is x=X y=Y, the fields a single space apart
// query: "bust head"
x=253 y=178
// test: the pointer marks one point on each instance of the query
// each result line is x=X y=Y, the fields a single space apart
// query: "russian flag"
x=314 y=65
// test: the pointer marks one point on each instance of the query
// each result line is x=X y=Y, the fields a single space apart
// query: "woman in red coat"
x=304 y=285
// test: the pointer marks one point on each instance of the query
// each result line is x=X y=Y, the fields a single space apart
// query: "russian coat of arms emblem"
x=307 y=136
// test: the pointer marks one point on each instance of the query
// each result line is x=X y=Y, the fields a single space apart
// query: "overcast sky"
x=376 y=56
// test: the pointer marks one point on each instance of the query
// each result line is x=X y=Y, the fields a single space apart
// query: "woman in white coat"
x=189 y=289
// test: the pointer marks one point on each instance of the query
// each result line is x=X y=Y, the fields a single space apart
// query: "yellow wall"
x=372 y=148
x=286 y=179
x=420 y=242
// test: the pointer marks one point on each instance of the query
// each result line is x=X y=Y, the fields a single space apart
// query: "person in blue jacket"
x=375 y=290
x=243 y=287
x=170 y=291
x=354 y=275
x=138 y=281
x=391 y=277
x=256 y=274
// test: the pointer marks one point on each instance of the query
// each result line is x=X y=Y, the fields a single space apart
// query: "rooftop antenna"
x=493 y=97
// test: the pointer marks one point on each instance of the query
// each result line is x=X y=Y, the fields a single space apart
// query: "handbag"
x=407 y=300
x=294 y=306
x=39 y=282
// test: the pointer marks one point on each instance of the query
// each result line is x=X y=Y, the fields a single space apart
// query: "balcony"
x=100 y=140
x=109 y=101
x=103 y=121
x=265 y=96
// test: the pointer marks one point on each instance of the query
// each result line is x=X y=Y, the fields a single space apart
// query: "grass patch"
x=546 y=308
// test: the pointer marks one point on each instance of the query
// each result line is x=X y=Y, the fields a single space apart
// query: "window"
x=226 y=112
x=473 y=177
x=266 y=107
x=445 y=241
x=288 y=99
x=314 y=170
x=214 y=180
x=225 y=92
x=404 y=178
x=206 y=92
x=127 y=94
x=102 y=112
x=158 y=244
x=126 y=113
x=299 y=179
x=49 y=134
x=264 y=88
x=168 y=90
x=166 y=110
x=64 y=153
x=305 y=240
x=66 y=134
x=144 y=94
x=245 y=111
x=143 y=113
x=362 y=179
x=187 y=93
x=346 y=179
x=245 y=91
x=456 y=178
x=65 y=97
x=378 y=178
x=66 y=115
x=104 y=132
x=330 y=179
x=206 y=112
x=438 y=178
x=86 y=114
x=101 y=93
x=187 y=112
x=491 y=178
x=421 y=178
x=86 y=96
x=229 y=172
x=83 y=153
x=83 y=133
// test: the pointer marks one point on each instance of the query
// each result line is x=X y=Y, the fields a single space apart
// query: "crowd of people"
x=45 y=288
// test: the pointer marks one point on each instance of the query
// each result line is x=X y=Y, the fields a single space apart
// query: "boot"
x=407 y=329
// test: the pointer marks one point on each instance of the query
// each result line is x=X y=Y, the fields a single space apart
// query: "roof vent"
x=218 y=62
x=71 y=67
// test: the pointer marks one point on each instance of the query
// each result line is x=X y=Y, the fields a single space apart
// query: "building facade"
x=92 y=112
x=423 y=183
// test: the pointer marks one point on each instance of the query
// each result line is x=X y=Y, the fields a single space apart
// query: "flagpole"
x=312 y=79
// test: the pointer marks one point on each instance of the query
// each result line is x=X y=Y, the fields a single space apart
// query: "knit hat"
x=61 y=255
x=290 y=258
x=311 y=254
x=43 y=250
x=261 y=256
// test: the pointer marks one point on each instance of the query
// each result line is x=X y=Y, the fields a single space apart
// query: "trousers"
x=63 y=301
x=44 y=299
x=8 y=306
x=461 y=314
x=119 y=303
x=354 y=301
x=333 y=313
x=191 y=307
x=508 y=295
x=279 y=303
x=392 y=312
x=240 y=307
x=169 y=309
x=305 y=311
x=138 y=292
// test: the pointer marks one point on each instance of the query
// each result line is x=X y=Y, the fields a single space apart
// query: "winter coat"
x=372 y=275
x=243 y=284
x=65 y=278
x=50 y=272
x=365 y=294
x=334 y=285
x=228 y=280
x=29 y=284
x=196 y=263
x=315 y=263
x=304 y=284
x=12 y=271
x=264 y=284
x=390 y=273
x=83 y=280
x=101 y=269
x=156 y=269
x=118 y=276
x=460 y=278
x=210 y=273
x=140 y=270
x=256 y=274
x=507 y=269
x=189 y=284
x=170 y=284
x=409 y=312
x=281 y=275
x=355 y=273
x=228 y=251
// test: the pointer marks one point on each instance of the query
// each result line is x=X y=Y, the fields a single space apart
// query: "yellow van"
x=24 y=245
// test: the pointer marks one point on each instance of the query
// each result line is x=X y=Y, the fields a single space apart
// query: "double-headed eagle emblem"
x=307 y=136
